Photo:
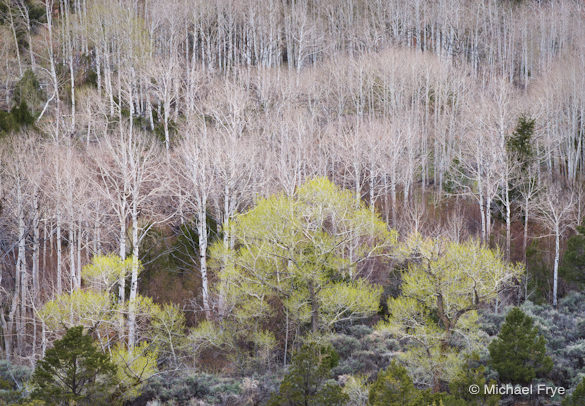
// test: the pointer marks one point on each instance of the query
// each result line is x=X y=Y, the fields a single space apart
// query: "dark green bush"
x=572 y=267
x=22 y=114
x=394 y=386
x=308 y=381
x=75 y=371
x=564 y=331
x=8 y=122
x=474 y=372
x=519 y=351
x=28 y=90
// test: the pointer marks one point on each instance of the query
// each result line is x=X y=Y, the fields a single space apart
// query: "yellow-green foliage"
x=346 y=300
x=105 y=271
x=443 y=287
x=264 y=343
x=135 y=366
x=99 y=311
x=300 y=255
x=93 y=310
x=208 y=335
x=168 y=325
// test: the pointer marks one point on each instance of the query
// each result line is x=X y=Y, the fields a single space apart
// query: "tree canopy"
x=301 y=260
x=441 y=291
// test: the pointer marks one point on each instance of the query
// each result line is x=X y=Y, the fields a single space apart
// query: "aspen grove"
x=290 y=202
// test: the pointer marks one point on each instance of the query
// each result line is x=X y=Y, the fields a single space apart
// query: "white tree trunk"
x=59 y=254
x=202 y=233
x=508 y=219
x=134 y=278
x=122 y=282
x=72 y=271
x=36 y=247
x=556 y=265
x=21 y=279
x=525 y=234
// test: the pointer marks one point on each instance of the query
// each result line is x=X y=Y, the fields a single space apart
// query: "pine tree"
x=75 y=371
x=519 y=352
x=519 y=144
x=573 y=265
x=577 y=398
x=308 y=380
x=393 y=386
x=473 y=372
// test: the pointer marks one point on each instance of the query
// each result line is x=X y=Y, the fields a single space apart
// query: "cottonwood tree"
x=95 y=309
x=451 y=281
x=294 y=249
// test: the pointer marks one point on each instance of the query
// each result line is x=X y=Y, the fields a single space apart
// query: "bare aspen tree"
x=24 y=13
x=10 y=15
x=481 y=156
x=20 y=178
x=196 y=167
x=556 y=210
x=163 y=75
x=233 y=152
x=129 y=178
x=502 y=114
x=49 y=6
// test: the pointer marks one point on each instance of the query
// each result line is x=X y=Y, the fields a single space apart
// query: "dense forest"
x=292 y=202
